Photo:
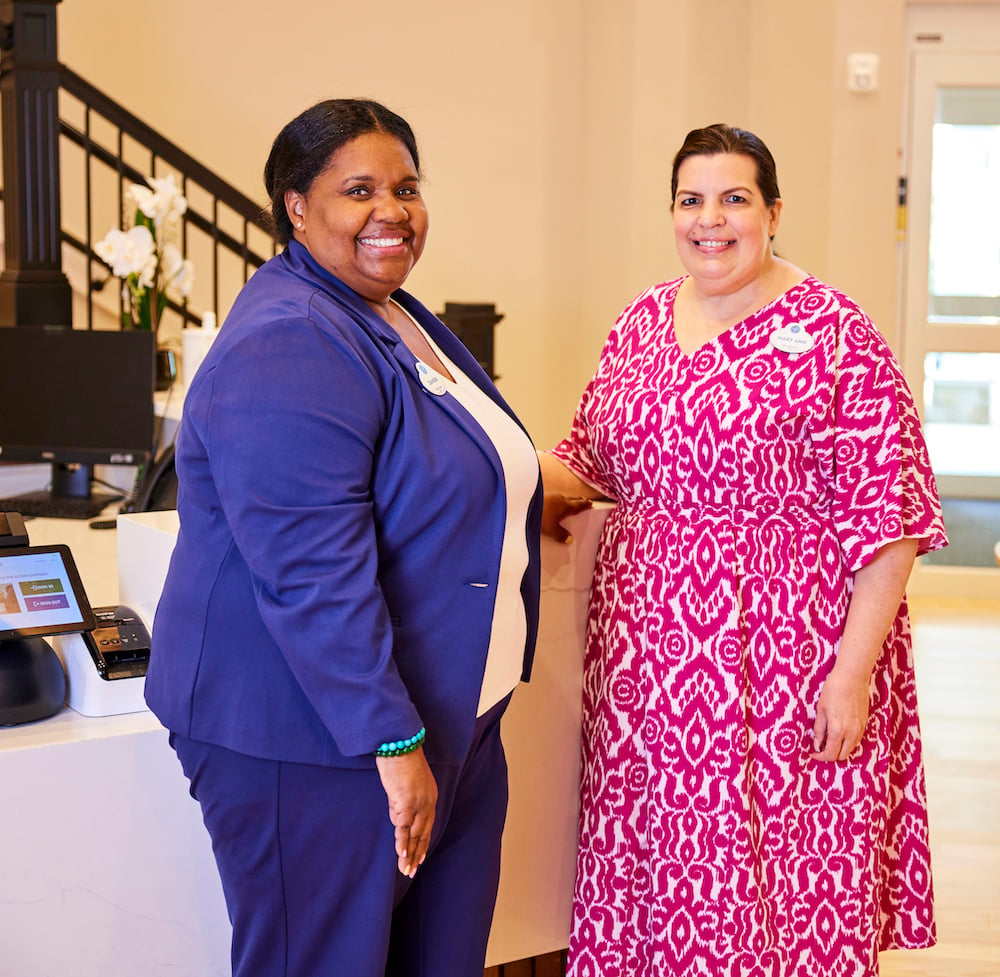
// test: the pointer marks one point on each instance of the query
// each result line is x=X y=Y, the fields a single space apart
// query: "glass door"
x=951 y=335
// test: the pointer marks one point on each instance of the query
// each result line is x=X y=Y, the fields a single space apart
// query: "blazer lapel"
x=380 y=331
x=446 y=402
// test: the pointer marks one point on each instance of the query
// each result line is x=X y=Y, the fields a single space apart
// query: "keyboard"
x=57 y=507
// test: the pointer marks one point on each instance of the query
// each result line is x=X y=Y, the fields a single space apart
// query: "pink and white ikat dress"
x=753 y=477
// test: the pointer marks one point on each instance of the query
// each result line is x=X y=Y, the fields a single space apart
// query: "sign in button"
x=53 y=586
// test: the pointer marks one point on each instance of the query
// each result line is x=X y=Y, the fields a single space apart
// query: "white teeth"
x=382 y=242
x=712 y=244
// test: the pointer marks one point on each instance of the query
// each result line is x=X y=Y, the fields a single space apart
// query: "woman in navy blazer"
x=356 y=500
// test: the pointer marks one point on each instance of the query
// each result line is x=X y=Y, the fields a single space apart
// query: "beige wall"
x=547 y=128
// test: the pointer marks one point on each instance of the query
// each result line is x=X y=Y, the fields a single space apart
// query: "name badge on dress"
x=791 y=339
x=431 y=380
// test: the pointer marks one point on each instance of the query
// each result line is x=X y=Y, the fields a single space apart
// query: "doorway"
x=951 y=295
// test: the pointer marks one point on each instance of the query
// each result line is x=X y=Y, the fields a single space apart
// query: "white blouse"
x=509 y=631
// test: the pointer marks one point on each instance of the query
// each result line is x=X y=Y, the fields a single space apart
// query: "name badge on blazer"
x=431 y=380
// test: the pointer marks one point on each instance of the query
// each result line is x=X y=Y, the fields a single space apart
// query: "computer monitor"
x=74 y=398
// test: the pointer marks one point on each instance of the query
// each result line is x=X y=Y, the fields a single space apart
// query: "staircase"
x=70 y=153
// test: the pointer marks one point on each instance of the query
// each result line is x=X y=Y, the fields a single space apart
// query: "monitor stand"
x=69 y=498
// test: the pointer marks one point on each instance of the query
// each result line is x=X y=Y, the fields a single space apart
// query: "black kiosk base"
x=32 y=681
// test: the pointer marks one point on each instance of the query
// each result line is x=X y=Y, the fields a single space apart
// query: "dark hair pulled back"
x=303 y=148
x=716 y=139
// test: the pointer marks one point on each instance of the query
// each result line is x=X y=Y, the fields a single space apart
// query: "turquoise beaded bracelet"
x=401 y=747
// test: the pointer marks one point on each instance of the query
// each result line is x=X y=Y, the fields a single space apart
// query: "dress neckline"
x=714 y=341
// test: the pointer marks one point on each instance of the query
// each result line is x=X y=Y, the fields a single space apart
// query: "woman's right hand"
x=412 y=792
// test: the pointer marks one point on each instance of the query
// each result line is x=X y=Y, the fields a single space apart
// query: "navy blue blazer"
x=333 y=580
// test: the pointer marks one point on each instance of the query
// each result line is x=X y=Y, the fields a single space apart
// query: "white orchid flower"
x=147 y=273
x=163 y=203
x=147 y=258
x=178 y=274
x=128 y=252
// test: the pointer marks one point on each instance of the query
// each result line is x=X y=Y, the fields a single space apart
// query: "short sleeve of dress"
x=576 y=450
x=884 y=488
x=580 y=451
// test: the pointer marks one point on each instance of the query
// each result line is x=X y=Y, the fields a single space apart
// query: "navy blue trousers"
x=308 y=864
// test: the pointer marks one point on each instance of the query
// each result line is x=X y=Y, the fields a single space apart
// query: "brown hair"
x=717 y=139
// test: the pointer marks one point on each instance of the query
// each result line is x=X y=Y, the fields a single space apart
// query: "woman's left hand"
x=412 y=792
x=842 y=711
x=841 y=716
x=557 y=507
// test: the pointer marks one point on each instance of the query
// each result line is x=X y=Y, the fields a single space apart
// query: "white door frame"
x=966 y=52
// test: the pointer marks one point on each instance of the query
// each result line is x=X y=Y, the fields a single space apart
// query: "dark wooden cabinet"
x=474 y=323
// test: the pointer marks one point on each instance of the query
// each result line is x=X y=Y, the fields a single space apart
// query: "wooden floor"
x=957 y=648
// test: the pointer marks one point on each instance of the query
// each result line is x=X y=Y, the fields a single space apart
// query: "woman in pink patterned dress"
x=752 y=792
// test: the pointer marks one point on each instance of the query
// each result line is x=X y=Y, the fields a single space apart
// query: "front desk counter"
x=106 y=869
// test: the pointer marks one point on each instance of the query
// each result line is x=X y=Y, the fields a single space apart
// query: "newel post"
x=33 y=288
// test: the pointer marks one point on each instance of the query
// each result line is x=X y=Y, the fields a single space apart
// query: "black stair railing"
x=224 y=232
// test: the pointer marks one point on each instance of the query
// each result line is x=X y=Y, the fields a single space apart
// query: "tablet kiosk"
x=41 y=595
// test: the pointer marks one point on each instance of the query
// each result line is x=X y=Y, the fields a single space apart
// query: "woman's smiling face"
x=722 y=224
x=363 y=218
